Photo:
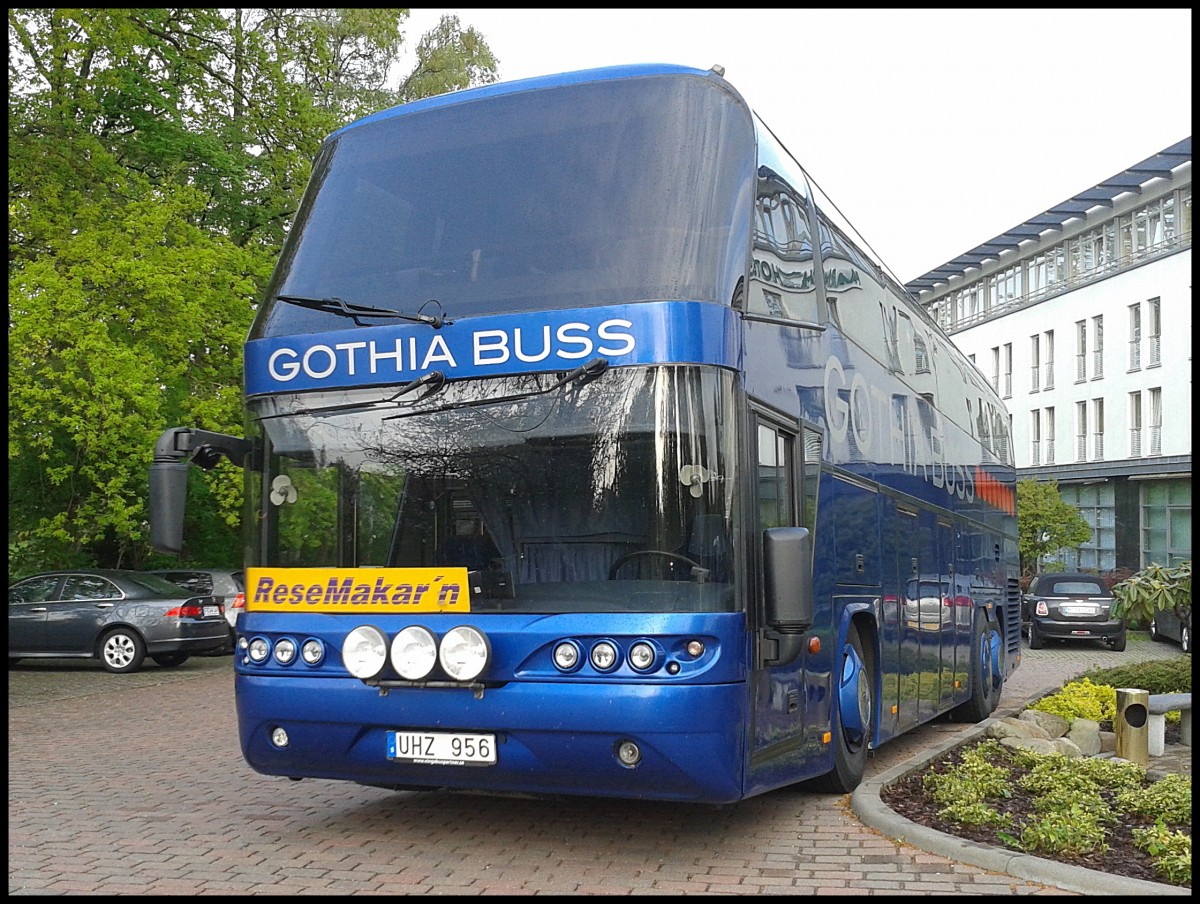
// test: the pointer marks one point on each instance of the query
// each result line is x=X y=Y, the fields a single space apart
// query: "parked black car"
x=119 y=617
x=228 y=584
x=1166 y=625
x=1069 y=606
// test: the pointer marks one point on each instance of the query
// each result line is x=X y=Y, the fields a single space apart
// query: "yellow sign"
x=395 y=590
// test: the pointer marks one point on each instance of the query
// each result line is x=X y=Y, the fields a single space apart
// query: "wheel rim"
x=854 y=699
x=118 y=650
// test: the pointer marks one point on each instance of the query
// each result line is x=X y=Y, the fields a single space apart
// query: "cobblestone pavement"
x=134 y=784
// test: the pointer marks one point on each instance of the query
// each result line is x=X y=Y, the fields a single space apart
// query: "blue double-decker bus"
x=589 y=451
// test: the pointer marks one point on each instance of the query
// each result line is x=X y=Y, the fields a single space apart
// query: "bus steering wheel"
x=612 y=572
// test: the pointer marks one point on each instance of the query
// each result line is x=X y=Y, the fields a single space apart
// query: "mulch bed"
x=908 y=798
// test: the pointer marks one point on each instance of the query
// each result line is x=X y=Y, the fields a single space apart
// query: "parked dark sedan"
x=1166 y=625
x=1070 y=606
x=228 y=584
x=119 y=617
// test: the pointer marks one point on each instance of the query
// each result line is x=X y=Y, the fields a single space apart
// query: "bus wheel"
x=853 y=708
x=987 y=671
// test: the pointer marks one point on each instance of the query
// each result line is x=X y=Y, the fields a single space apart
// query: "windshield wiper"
x=580 y=376
x=335 y=305
x=432 y=382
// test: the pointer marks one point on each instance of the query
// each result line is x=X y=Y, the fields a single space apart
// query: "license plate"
x=1080 y=610
x=212 y=610
x=441 y=748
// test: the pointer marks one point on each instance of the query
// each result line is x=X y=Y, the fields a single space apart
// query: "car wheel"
x=170 y=660
x=1185 y=638
x=1118 y=644
x=853 y=712
x=1154 y=635
x=987 y=672
x=122 y=650
x=1035 y=637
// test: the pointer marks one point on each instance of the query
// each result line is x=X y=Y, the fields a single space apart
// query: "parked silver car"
x=119 y=617
x=228 y=584
x=1166 y=625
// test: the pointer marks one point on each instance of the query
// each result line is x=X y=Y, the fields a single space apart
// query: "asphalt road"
x=135 y=784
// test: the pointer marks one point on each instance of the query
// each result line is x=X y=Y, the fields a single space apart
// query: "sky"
x=932 y=130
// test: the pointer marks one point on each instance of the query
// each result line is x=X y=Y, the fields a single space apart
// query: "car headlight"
x=365 y=651
x=414 y=653
x=641 y=656
x=258 y=649
x=604 y=656
x=464 y=653
x=285 y=650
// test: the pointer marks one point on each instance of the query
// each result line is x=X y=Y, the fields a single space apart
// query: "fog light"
x=641 y=656
x=604 y=656
x=364 y=652
x=279 y=737
x=464 y=653
x=258 y=650
x=628 y=753
x=313 y=651
x=566 y=656
x=414 y=653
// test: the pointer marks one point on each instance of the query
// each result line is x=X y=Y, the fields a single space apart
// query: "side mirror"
x=787 y=560
x=177 y=446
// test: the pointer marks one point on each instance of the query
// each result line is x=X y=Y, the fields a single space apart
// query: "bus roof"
x=633 y=70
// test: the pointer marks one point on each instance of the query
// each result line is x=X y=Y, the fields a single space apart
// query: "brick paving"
x=135 y=785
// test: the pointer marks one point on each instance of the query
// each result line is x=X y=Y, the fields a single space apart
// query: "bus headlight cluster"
x=606 y=656
x=259 y=650
x=463 y=652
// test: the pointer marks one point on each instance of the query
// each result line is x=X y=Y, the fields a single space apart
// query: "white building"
x=1082 y=318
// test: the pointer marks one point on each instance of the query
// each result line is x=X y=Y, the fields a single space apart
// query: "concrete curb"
x=868 y=806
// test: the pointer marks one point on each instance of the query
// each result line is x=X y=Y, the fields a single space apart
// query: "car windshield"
x=613 y=495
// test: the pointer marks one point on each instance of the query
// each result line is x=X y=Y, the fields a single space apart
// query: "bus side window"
x=776 y=492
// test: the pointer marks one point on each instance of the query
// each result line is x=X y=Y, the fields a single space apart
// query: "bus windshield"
x=615 y=495
x=585 y=194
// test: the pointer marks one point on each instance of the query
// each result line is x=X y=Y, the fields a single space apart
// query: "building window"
x=1166 y=521
x=1098 y=429
x=1035 y=437
x=996 y=368
x=1081 y=431
x=1035 y=368
x=1155 y=332
x=1048 y=437
x=1135 y=337
x=1096 y=502
x=1098 y=347
x=1156 y=421
x=1080 y=351
x=1135 y=424
x=1048 y=373
x=1008 y=370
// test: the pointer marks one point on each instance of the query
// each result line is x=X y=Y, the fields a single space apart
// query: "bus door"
x=783 y=733
x=908 y=571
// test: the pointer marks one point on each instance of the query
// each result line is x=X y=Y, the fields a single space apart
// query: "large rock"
x=1055 y=726
x=1085 y=733
x=1018 y=728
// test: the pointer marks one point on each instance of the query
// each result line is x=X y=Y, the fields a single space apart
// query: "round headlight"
x=604 y=656
x=566 y=656
x=364 y=651
x=464 y=653
x=285 y=650
x=641 y=656
x=312 y=651
x=414 y=653
x=258 y=650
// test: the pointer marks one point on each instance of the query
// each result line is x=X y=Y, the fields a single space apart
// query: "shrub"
x=1171 y=851
x=1159 y=676
x=1071 y=830
x=1081 y=700
x=1167 y=799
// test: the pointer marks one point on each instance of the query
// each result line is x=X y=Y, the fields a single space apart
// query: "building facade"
x=1082 y=318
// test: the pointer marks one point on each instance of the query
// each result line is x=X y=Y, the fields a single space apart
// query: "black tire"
x=1154 y=635
x=1035 y=637
x=170 y=660
x=849 y=744
x=987 y=671
x=122 y=650
x=1118 y=644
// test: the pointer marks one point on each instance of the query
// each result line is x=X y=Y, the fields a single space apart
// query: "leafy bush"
x=1081 y=700
x=1171 y=851
x=1159 y=676
x=1072 y=830
x=1154 y=588
x=1169 y=798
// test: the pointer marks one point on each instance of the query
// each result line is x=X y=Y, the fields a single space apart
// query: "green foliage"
x=1153 y=589
x=1042 y=513
x=156 y=159
x=1158 y=676
x=1073 y=830
x=1081 y=700
x=1169 y=798
x=1172 y=852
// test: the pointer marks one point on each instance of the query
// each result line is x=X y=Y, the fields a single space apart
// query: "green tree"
x=1046 y=523
x=156 y=159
